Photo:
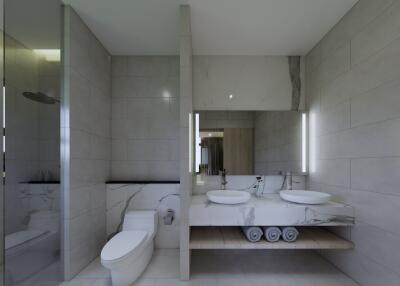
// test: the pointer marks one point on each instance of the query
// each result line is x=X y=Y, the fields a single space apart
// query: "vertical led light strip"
x=304 y=142
x=312 y=149
x=190 y=143
x=197 y=142
x=4 y=119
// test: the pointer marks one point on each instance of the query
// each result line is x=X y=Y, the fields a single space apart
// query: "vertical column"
x=65 y=146
x=186 y=137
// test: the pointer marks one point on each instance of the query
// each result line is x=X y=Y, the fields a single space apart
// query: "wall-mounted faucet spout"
x=223 y=179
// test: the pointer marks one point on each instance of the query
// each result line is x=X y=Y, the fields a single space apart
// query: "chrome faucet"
x=259 y=187
x=287 y=183
x=288 y=178
x=223 y=179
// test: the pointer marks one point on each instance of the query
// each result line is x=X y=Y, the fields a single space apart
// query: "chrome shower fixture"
x=40 y=97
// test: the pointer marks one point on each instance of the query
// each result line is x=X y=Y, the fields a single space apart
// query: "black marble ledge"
x=41 y=182
x=142 y=182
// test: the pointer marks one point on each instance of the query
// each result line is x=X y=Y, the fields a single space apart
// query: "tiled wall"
x=49 y=120
x=353 y=82
x=147 y=198
x=256 y=83
x=277 y=142
x=145 y=117
x=86 y=143
x=31 y=200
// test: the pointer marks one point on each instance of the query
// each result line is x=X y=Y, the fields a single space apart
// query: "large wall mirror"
x=250 y=142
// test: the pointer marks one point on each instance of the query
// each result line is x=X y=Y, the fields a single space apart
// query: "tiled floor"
x=50 y=276
x=227 y=268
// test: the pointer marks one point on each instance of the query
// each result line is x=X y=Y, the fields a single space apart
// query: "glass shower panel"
x=32 y=36
x=1 y=148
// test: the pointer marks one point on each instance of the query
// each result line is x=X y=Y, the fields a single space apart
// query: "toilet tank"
x=141 y=220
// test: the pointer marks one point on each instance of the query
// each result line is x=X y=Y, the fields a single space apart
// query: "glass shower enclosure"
x=30 y=193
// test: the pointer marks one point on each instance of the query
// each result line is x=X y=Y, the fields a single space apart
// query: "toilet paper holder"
x=169 y=217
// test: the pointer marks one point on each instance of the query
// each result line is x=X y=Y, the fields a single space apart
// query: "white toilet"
x=128 y=253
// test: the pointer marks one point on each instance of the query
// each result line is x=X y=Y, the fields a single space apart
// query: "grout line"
x=362 y=125
x=377 y=193
x=350 y=175
x=348 y=189
x=350 y=58
x=320 y=253
x=379 y=228
x=384 y=10
x=360 y=158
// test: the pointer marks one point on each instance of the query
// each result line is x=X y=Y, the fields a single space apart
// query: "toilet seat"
x=122 y=245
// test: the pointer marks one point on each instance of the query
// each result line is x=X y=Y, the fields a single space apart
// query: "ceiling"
x=219 y=27
x=36 y=24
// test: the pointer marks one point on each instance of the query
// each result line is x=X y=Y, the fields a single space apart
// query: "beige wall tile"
x=354 y=141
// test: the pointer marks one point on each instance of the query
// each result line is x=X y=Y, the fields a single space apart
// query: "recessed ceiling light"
x=230 y=96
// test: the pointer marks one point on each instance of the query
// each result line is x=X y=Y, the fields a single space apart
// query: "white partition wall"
x=85 y=143
x=186 y=136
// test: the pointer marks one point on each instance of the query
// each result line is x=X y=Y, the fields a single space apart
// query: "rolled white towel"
x=289 y=233
x=252 y=233
x=272 y=233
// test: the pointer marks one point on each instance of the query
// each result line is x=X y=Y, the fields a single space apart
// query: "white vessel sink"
x=228 y=197
x=305 y=197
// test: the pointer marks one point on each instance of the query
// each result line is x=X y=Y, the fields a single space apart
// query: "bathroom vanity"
x=216 y=226
x=268 y=210
x=276 y=154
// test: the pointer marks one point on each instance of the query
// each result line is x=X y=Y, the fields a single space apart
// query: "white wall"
x=353 y=82
x=185 y=112
x=256 y=82
x=85 y=142
x=145 y=118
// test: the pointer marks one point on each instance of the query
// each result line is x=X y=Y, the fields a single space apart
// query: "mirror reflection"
x=249 y=142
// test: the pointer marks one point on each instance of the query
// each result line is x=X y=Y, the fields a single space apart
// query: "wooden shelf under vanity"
x=227 y=237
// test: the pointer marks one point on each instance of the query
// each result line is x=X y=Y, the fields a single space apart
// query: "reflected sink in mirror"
x=228 y=197
x=305 y=197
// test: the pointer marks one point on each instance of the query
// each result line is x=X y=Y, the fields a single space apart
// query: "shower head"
x=40 y=97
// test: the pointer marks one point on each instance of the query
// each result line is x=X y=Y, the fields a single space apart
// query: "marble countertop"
x=268 y=210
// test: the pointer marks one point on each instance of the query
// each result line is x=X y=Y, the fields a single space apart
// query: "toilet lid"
x=122 y=244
